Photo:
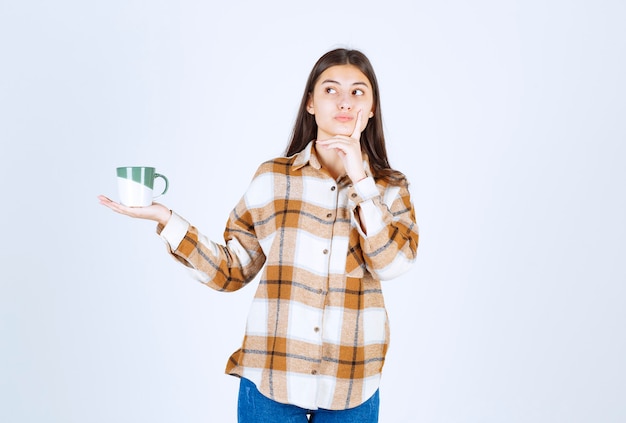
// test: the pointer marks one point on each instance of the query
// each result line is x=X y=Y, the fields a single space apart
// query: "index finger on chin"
x=357 y=126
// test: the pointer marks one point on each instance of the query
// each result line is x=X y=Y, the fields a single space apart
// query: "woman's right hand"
x=157 y=212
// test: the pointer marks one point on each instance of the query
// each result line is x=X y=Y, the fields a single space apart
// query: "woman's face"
x=338 y=95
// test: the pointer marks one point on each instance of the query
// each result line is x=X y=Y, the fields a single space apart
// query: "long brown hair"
x=372 y=138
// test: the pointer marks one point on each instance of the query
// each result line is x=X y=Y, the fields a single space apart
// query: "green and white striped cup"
x=135 y=185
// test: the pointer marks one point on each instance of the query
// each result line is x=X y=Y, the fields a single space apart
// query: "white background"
x=508 y=117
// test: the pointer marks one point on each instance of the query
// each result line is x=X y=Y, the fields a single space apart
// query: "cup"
x=135 y=185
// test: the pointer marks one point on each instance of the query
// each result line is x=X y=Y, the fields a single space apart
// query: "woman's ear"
x=309 y=105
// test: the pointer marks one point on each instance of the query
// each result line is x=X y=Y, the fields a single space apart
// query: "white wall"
x=507 y=116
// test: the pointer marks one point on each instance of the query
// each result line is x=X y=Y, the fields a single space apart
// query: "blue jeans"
x=254 y=407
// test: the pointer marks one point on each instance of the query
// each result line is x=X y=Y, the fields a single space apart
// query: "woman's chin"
x=344 y=130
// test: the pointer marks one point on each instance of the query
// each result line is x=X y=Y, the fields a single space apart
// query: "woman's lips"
x=343 y=118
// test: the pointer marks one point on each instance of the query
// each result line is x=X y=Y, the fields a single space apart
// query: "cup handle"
x=167 y=184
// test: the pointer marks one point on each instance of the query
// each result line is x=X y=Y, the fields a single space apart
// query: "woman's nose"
x=345 y=103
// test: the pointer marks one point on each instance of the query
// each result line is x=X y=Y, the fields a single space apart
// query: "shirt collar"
x=307 y=156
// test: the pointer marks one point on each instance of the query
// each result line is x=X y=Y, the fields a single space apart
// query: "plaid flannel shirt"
x=317 y=331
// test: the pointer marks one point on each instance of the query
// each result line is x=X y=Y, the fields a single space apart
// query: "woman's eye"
x=330 y=90
x=357 y=92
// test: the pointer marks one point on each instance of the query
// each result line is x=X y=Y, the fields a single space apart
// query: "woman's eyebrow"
x=332 y=81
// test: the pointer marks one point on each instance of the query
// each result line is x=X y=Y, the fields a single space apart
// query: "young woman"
x=325 y=224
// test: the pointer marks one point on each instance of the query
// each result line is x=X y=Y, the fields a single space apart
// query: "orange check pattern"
x=317 y=331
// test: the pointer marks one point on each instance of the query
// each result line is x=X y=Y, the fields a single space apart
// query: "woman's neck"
x=330 y=160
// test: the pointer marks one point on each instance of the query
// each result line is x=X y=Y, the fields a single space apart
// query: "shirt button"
x=319 y=291
x=353 y=195
x=314 y=372
x=333 y=188
x=329 y=215
x=325 y=251
x=316 y=329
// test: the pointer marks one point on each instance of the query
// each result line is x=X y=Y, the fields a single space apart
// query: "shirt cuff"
x=174 y=232
x=363 y=190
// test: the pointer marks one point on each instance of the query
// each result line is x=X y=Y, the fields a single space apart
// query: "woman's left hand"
x=349 y=150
